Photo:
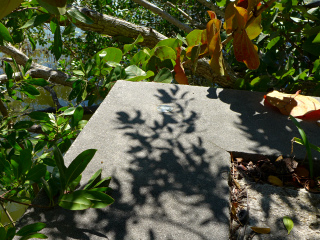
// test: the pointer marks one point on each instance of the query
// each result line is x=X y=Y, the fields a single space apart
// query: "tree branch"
x=153 y=8
x=213 y=7
x=36 y=70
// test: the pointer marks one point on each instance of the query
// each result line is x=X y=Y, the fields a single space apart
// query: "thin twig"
x=7 y=213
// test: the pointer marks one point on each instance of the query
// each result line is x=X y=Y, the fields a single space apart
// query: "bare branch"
x=36 y=70
x=153 y=8
x=186 y=16
x=213 y=7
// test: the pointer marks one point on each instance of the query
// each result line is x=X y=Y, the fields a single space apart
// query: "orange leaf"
x=244 y=50
x=229 y=15
x=180 y=76
x=261 y=230
x=300 y=106
x=214 y=46
x=212 y=14
x=241 y=19
x=275 y=181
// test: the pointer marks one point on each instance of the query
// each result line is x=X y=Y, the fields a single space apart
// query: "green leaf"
x=28 y=64
x=52 y=9
x=72 y=186
x=99 y=199
x=76 y=14
x=11 y=232
x=305 y=143
x=25 y=160
x=57 y=44
x=40 y=116
x=38 y=82
x=164 y=52
x=8 y=70
x=36 y=20
x=137 y=74
x=3 y=233
x=75 y=201
x=34 y=235
x=129 y=47
x=31 y=228
x=164 y=76
x=30 y=89
x=170 y=42
x=78 y=165
x=111 y=54
x=62 y=168
x=36 y=172
x=103 y=183
x=69 y=111
x=4 y=33
x=77 y=116
x=47 y=189
x=194 y=37
x=23 y=125
x=93 y=180
x=273 y=42
x=69 y=29
x=316 y=39
x=288 y=223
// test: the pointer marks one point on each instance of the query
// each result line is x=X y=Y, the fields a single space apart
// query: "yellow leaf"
x=255 y=28
x=292 y=104
x=7 y=6
x=261 y=230
x=275 y=181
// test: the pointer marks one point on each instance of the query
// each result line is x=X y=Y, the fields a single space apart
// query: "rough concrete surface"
x=169 y=170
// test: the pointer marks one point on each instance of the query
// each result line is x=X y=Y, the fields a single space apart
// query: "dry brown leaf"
x=302 y=172
x=275 y=181
x=261 y=230
x=293 y=104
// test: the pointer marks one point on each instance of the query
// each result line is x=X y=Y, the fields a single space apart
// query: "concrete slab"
x=169 y=169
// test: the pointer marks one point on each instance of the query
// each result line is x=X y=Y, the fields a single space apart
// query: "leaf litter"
x=281 y=172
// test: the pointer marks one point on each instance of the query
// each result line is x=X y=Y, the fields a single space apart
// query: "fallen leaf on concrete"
x=261 y=230
x=302 y=172
x=299 y=106
x=275 y=181
x=288 y=223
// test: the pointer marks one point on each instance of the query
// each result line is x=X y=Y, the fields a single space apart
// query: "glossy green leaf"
x=170 y=42
x=51 y=9
x=25 y=160
x=23 y=125
x=99 y=199
x=57 y=44
x=38 y=82
x=31 y=228
x=75 y=201
x=60 y=164
x=36 y=20
x=77 y=116
x=3 y=233
x=288 y=223
x=33 y=236
x=305 y=143
x=30 y=89
x=36 y=172
x=69 y=111
x=78 y=165
x=4 y=33
x=81 y=17
x=316 y=39
x=40 y=116
x=8 y=70
x=137 y=74
x=164 y=76
x=11 y=232
x=93 y=180
x=73 y=185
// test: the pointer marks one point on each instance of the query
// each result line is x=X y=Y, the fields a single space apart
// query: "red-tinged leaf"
x=261 y=230
x=180 y=76
x=214 y=46
x=302 y=172
x=275 y=181
x=229 y=15
x=252 y=4
x=299 y=106
x=244 y=50
x=242 y=3
x=212 y=14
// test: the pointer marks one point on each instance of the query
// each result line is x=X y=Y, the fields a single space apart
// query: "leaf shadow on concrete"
x=270 y=133
x=173 y=189
x=170 y=184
